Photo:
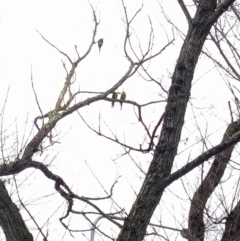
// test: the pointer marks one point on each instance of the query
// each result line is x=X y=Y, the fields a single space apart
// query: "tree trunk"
x=232 y=227
x=11 y=220
x=196 y=227
x=135 y=225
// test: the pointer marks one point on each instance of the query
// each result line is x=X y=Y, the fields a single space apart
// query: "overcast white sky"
x=69 y=23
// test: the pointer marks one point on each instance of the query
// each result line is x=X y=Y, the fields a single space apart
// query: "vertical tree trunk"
x=135 y=225
x=232 y=227
x=196 y=227
x=11 y=220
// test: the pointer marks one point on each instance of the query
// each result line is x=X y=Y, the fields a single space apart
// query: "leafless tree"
x=213 y=20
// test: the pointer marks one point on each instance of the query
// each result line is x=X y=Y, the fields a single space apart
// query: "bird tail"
x=121 y=105
x=112 y=104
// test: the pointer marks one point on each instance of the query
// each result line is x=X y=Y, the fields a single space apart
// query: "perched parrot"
x=114 y=97
x=100 y=44
x=123 y=97
x=219 y=3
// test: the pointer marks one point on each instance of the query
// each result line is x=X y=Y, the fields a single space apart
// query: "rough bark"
x=232 y=227
x=11 y=220
x=196 y=227
x=135 y=225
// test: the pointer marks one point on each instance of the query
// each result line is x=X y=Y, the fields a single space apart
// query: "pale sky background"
x=80 y=152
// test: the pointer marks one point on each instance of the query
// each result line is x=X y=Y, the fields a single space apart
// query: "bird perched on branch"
x=114 y=97
x=123 y=97
x=100 y=44
x=219 y=4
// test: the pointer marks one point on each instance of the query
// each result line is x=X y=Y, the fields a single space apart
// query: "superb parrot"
x=123 y=97
x=114 y=97
x=100 y=44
